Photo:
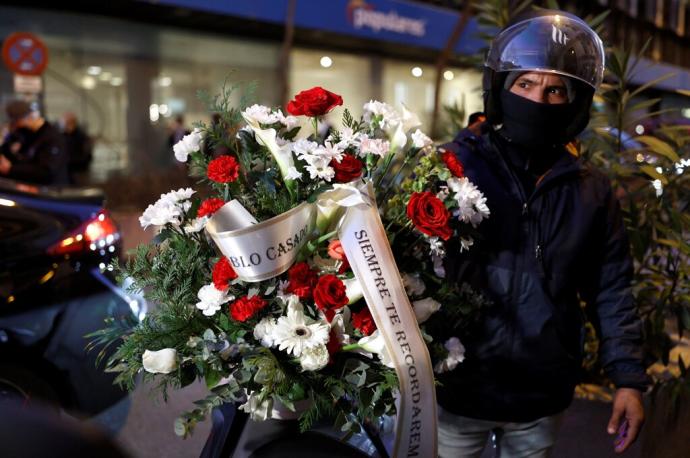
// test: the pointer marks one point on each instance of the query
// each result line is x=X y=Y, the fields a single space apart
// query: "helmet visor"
x=555 y=43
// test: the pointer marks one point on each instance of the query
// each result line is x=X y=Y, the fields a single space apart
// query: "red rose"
x=223 y=273
x=301 y=280
x=223 y=169
x=453 y=163
x=429 y=215
x=363 y=321
x=245 y=307
x=314 y=102
x=209 y=207
x=329 y=295
x=347 y=169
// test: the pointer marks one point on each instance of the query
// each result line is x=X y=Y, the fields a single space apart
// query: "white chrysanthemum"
x=168 y=209
x=420 y=139
x=304 y=147
x=436 y=247
x=466 y=243
x=390 y=118
x=424 y=308
x=290 y=122
x=314 y=358
x=211 y=299
x=189 y=144
x=456 y=355
x=293 y=333
x=374 y=146
x=413 y=284
x=261 y=114
x=263 y=332
x=319 y=168
x=376 y=344
x=348 y=138
x=330 y=151
x=160 y=362
x=472 y=206
x=196 y=225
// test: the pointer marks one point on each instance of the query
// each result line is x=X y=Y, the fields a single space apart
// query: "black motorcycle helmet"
x=546 y=41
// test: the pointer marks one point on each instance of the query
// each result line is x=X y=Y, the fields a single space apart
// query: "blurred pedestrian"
x=476 y=124
x=78 y=147
x=34 y=149
x=177 y=131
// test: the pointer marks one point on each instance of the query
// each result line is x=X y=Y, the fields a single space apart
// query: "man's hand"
x=5 y=165
x=627 y=418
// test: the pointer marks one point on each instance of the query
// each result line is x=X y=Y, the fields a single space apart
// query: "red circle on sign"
x=24 y=53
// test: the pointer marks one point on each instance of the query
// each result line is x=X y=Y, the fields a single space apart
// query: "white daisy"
x=294 y=333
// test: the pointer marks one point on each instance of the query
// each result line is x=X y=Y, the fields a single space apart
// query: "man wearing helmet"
x=555 y=237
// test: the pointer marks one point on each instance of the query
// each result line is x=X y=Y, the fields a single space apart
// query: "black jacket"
x=42 y=158
x=537 y=255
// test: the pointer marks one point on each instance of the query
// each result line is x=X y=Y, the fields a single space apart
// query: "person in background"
x=474 y=130
x=33 y=151
x=177 y=131
x=556 y=236
x=79 y=148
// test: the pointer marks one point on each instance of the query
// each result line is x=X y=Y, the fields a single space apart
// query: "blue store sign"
x=393 y=21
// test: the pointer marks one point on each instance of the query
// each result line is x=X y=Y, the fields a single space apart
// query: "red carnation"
x=329 y=295
x=223 y=273
x=301 y=280
x=223 y=169
x=429 y=215
x=245 y=307
x=453 y=163
x=314 y=102
x=209 y=207
x=363 y=321
x=347 y=169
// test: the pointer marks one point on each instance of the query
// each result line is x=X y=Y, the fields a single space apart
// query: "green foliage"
x=656 y=216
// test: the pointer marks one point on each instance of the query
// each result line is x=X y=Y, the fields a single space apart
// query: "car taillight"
x=97 y=234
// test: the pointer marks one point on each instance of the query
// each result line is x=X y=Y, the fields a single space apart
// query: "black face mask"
x=535 y=125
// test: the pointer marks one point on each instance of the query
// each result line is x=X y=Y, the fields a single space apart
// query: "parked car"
x=55 y=288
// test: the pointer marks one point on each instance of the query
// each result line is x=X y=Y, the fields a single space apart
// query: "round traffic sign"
x=24 y=53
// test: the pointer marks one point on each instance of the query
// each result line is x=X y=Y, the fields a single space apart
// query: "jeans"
x=462 y=437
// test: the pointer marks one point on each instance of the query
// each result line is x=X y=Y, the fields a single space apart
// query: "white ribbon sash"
x=265 y=250
x=364 y=240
